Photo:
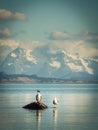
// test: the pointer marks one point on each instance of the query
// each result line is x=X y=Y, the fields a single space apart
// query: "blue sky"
x=60 y=24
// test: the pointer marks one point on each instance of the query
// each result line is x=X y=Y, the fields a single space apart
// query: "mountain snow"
x=74 y=57
x=30 y=57
x=10 y=64
x=92 y=59
x=54 y=63
x=61 y=64
x=13 y=55
x=74 y=67
x=72 y=61
x=85 y=65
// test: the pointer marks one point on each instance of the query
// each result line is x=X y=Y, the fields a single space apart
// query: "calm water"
x=77 y=109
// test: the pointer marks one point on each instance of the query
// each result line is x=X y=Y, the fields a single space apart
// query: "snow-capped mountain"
x=19 y=61
x=42 y=62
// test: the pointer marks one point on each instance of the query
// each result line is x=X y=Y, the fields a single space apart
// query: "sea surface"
x=77 y=108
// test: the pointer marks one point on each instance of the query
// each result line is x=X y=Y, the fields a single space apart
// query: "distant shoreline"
x=34 y=79
x=71 y=82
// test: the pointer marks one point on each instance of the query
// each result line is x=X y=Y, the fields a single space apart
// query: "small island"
x=38 y=105
x=35 y=106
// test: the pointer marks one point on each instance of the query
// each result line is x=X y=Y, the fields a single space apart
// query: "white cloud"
x=36 y=44
x=13 y=44
x=55 y=64
x=84 y=49
x=91 y=36
x=79 y=47
x=57 y=35
x=8 y=42
x=5 y=32
x=19 y=16
x=29 y=44
x=6 y=15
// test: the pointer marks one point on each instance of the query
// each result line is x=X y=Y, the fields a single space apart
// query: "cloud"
x=57 y=35
x=88 y=51
x=6 y=46
x=82 y=48
x=29 y=44
x=91 y=37
x=6 y=15
x=10 y=43
x=5 y=33
x=77 y=47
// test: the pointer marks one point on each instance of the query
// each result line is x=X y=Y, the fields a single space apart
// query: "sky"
x=70 y=25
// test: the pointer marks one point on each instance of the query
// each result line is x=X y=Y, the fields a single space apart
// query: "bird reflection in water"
x=38 y=115
x=55 y=115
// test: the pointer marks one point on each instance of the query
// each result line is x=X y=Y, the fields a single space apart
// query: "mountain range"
x=50 y=64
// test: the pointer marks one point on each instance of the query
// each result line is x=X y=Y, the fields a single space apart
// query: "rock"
x=35 y=106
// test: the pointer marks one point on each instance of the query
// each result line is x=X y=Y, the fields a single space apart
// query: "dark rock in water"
x=35 y=106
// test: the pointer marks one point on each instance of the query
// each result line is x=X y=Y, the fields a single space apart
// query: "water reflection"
x=55 y=114
x=77 y=110
x=38 y=115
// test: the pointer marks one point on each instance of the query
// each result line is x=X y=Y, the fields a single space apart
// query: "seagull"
x=55 y=101
x=38 y=96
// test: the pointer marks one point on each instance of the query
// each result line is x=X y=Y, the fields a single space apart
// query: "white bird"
x=55 y=101
x=38 y=96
